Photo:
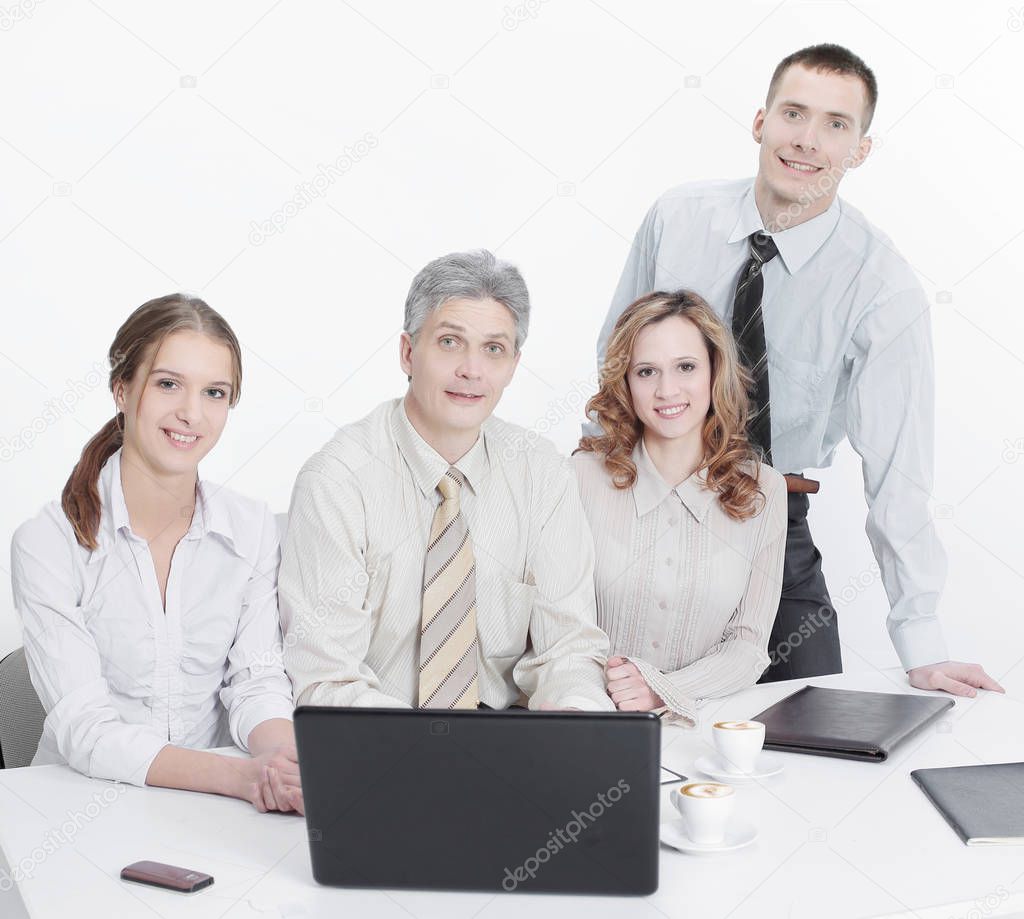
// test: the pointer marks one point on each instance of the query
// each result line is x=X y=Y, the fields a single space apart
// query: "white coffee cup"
x=706 y=807
x=739 y=744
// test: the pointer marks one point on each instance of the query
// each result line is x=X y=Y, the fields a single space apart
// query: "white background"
x=140 y=144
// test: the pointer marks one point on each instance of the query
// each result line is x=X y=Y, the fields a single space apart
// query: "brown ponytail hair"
x=138 y=341
x=726 y=448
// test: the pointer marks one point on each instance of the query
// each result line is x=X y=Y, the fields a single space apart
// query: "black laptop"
x=481 y=800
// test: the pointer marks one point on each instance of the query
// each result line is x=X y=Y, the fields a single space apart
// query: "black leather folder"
x=983 y=804
x=847 y=724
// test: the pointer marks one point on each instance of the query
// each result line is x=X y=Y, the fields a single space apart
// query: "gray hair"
x=475 y=275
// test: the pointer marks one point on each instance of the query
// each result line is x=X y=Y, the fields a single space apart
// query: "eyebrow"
x=685 y=357
x=803 y=108
x=174 y=373
x=445 y=324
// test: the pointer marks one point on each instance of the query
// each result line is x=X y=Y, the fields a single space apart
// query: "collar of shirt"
x=427 y=465
x=214 y=515
x=650 y=489
x=798 y=244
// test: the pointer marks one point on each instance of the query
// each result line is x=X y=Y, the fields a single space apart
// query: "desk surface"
x=836 y=838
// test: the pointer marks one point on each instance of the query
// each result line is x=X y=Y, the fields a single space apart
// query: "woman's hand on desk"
x=628 y=689
x=270 y=781
x=954 y=677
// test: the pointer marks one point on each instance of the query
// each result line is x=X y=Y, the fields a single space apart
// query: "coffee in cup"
x=706 y=807
x=738 y=744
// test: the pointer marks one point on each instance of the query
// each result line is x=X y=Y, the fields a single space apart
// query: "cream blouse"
x=683 y=590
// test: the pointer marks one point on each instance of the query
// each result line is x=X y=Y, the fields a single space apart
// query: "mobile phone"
x=170 y=877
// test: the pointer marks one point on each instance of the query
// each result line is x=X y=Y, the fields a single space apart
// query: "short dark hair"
x=831 y=59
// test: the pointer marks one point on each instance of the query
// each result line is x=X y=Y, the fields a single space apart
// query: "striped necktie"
x=448 y=641
x=748 y=330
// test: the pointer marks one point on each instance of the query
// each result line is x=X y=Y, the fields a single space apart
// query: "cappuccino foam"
x=706 y=790
x=737 y=725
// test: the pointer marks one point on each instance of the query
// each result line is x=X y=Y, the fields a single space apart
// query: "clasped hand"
x=628 y=689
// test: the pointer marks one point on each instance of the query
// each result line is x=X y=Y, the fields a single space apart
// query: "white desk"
x=837 y=839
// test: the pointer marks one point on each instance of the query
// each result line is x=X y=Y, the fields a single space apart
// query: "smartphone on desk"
x=170 y=877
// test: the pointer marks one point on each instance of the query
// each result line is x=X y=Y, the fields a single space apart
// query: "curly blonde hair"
x=726 y=447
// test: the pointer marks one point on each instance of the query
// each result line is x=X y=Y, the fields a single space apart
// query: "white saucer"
x=738 y=835
x=711 y=765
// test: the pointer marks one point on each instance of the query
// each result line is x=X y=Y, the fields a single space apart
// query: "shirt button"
x=662 y=604
x=655 y=644
x=672 y=521
x=668 y=561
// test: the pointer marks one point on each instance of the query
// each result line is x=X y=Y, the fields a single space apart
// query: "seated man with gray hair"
x=436 y=556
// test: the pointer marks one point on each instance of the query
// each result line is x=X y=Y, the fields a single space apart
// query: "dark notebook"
x=984 y=804
x=848 y=724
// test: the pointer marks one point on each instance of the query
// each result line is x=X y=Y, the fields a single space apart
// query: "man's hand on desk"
x=954 y=677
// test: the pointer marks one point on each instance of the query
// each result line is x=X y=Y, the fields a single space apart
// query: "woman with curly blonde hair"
x=689 y=525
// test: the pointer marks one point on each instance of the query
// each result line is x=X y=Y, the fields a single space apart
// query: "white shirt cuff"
x=255 y=713
x=919 y=642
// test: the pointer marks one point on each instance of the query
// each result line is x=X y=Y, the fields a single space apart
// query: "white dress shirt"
x=849 y=355
x=119 y=677
x=684 y=591
x=352 y=568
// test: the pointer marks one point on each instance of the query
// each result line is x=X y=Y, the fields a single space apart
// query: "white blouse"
x=120 y=678
x=683 y=590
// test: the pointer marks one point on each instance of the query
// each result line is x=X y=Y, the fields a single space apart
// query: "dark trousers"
x=805 y=638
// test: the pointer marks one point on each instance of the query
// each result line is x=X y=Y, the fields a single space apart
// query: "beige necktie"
x=448 y=644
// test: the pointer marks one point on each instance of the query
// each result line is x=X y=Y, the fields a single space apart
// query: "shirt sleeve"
x=256 y=687
x=637 y=279
x=324 y=578
x=890 y=421
x=740 y=658
x=64 y=662
x=564 y=662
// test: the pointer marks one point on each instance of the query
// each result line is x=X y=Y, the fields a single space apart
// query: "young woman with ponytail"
x=148 y=597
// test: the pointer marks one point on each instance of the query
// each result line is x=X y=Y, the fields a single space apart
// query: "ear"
x=405 y=353
x=119 y=398
x=758 y=127
x=860 y=152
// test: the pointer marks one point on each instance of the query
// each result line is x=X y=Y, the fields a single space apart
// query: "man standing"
x=834 y=328
x=437 y=557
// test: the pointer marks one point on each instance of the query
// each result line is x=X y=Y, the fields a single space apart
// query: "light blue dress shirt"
x=848 y=332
